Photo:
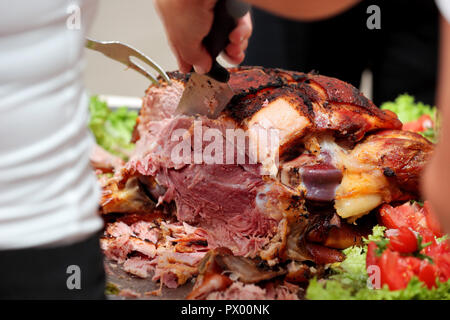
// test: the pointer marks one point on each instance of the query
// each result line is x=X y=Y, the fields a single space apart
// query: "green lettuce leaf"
x=112 y=129
x=407 y=109
x=335 y=290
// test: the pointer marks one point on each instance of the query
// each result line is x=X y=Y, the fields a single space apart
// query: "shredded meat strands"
x=171 y=251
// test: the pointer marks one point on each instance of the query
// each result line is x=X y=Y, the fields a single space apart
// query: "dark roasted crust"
x=176 y=75
x=243 y=108
x=349 y=114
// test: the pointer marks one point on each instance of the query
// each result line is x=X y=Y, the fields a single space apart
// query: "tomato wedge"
x=371 y=257
x=397 y=270
x=409 y=215
x=406 y=215
x=402 y=240
x=443 y=264
x=428 y=274
x=401 y=260
x=422 y=124
x=394 y=273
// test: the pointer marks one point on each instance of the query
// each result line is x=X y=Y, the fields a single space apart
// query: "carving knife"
x=210 y=93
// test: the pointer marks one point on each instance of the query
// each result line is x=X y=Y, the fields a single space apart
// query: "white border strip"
x=119 y=101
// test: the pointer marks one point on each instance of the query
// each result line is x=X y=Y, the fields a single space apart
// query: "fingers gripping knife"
x=122 y=53
x=210 y=93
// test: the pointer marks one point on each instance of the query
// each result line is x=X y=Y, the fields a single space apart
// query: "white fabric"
x=444 y=7
x=48 y=192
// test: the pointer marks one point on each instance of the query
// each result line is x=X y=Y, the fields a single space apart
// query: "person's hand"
x=436 y=178
x=187 y=22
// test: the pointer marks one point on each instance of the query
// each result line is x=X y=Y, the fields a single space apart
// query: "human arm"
x=187 y=22
x=305 y=10
x=436 y=179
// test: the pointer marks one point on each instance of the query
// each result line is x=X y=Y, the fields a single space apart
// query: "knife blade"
x=209 y=94
x=204 y=95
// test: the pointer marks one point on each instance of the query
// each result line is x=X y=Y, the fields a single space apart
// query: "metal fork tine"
x=153 y=64
x=142 y=71
x=122 y=52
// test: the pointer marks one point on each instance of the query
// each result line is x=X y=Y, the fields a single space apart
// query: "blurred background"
x=401 y=57
x=137 y=24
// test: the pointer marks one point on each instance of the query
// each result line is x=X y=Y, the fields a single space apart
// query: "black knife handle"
x=226 y=12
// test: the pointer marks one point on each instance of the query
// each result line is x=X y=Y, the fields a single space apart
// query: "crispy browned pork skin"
x=339 y=158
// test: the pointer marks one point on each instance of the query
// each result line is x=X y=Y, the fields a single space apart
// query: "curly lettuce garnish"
x=335 y=290
x=410 y=111
x=112 y=129
x=407 y=109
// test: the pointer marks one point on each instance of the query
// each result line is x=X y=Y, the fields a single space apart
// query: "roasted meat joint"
x=261 y=218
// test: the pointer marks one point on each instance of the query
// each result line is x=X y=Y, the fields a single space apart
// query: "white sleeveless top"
x=48 y=192
x=444 y=8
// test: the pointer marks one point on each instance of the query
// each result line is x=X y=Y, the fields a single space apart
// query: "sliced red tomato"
x=413 y=264
x=437 y=249
x=427 y=237
x=443 y=264
x=415 y=126
x=394 y=271
x=406 y=215
x=409 y=215
x=402 y=240
x=428 y=274
x=397 y=270
x=440 y=253
x=392 y=218
x=422 y=124
x=401 y=261
x=371 y=257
